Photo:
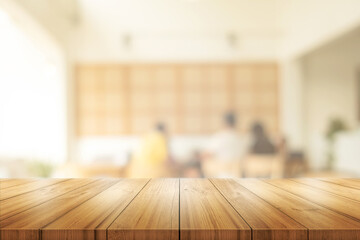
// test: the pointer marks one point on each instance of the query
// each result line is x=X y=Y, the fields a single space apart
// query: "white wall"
x=309 y=24
x=330 y=91
x=291 y=102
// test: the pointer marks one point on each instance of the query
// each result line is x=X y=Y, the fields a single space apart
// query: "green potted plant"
x=335 y=126
x=40 y=169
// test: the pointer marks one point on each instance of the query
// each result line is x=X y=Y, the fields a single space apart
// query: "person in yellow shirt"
x=152 y=155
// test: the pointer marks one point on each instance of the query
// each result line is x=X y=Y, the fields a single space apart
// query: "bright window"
x=32 y=94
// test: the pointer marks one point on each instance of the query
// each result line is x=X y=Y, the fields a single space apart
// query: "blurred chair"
x=296 y=164
x=264 y=166
x=216 y=168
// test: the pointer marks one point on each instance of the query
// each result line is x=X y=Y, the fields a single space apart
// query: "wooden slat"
x=153 y=214
x=321 y=222
x=351 y=193
x=28 y=200
x=82 y=221
x=331 y=201
x=26 y=224
x=6 y=183
x=266 y=221
x=27 y=187
x=205 y=213
x=343 y=181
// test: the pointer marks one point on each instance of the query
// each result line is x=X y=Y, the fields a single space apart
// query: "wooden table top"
x=181 y=209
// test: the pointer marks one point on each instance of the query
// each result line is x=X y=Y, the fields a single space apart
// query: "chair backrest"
x=263 y=165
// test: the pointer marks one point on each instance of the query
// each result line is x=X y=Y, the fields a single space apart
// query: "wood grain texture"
x=334 y=202
x=28 y=200
x=91 y=219
x=153 y=214
x=340 y=190
x=205 y=214
x=27 y=187
x=32 y=220
x=347 y=182
x=266 y=221
x=10 y=182
x=321 y=222
x=180 y=209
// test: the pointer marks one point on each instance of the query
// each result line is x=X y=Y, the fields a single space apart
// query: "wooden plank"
x=266 y=221
x=347 y=182
x=340 y=190
x=27 y=187
x=215 y=209
x=10 y=182
x=26 y=224
x=87 y=222
x=153 y=214
x=321 y=222
x=342 y=205
x=205 y=213
x=28 y=200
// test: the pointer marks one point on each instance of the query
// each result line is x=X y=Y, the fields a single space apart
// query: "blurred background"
x=179 y=88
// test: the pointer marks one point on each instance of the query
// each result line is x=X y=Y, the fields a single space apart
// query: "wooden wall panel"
x=100 y=100
x=164 y=95
x=189 y=98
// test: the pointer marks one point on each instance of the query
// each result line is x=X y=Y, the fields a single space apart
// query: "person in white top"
x=224 y=153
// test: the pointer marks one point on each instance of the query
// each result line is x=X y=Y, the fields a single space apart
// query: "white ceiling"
x=184 y=15
x=177 y=29
x=93 y=30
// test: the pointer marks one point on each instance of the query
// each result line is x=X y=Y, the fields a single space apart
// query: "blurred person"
x=261 y=143
x=193 y=168
x=151 y=158
x=224 y=153
x=264 y=159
